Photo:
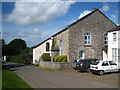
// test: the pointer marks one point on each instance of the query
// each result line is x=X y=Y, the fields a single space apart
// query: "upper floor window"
x=87 y=39
x=47 y=46
x=114 y=37
x=106 y=39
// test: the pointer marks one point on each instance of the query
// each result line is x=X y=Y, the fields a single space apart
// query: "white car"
x=103 y=66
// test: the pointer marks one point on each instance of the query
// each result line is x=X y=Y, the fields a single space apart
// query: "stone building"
x=85 y=38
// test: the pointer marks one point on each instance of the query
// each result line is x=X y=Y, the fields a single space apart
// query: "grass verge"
x=11 y=80
x=36 y=65
x=48 y=69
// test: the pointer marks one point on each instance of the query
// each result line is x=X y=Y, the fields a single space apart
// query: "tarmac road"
x=38 y=78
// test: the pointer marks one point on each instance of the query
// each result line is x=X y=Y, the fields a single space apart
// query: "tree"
x=2 y=41
x=16 y=46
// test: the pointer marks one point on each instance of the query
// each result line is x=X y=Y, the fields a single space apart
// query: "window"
x=47 y=47
x=81 y=54
x=60 y=47
x=105 y=63
x=87 y=39
x=114 y=54
x=106 y=39
x=114 y=37
x=112 y=63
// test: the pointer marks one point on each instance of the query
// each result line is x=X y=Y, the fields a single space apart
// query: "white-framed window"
x=106 y=39
x=114 y=54
x=114 y=37
x=81 y=54
x=60 y=47
x=87 y=39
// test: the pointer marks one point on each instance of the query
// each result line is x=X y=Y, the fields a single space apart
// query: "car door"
x=113 y=66
x=106 y=67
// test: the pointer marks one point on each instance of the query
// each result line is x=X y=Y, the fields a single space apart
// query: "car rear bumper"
x=94 y=71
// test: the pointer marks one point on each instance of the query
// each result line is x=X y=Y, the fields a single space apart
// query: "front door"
x=81 y=54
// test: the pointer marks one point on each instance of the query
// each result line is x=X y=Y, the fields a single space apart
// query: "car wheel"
x=88 y=70
x=119 y=71
x=101 y=73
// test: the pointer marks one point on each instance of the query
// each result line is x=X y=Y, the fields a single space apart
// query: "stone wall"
x=55 y=65
x=65 y=42
x=97 y=25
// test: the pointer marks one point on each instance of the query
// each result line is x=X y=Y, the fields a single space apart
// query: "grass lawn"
x=11 y=80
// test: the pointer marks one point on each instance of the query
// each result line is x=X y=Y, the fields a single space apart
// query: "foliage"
x=47 y=69
x=2 y=41
x=11 y=80
x=62 y=58
x=22 y=57
x=16 y=59
x=45 y=57
x=17 y=45
x=14 y=47
x=53 y=43
x=36 y=65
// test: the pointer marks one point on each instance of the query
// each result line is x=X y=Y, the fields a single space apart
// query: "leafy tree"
x=53 y=44
x=2 y=41
x=16 y=46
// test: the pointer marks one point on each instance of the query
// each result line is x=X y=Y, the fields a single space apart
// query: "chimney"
x=94 y=8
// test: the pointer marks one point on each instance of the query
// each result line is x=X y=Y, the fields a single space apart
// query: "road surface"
x=38 y=78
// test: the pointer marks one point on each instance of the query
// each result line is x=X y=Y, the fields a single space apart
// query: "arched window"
x=47 y=46
x=87 y=39
x=60 y=47
x=106 y=39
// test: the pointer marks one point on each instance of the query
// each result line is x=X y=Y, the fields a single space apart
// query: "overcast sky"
x=36 y=21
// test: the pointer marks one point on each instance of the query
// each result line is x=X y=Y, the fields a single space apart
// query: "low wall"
x=55 y=65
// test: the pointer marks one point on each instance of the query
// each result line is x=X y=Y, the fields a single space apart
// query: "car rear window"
x=112 y=63
x=95 y=63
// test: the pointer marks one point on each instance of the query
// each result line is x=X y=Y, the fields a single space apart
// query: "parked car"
x=75 y=63
x=103 y=66
x=84 y=64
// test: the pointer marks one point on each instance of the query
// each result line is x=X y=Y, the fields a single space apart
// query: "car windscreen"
x=95 y=62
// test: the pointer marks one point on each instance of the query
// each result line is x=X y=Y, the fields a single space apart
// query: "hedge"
x=45 y=57
x=16 y=59
x=62 y=58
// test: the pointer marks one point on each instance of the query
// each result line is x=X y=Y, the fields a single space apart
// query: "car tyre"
x=101 y=73
x=119 y=71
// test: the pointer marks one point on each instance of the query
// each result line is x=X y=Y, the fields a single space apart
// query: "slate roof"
x=115 y=29
x=75 y=23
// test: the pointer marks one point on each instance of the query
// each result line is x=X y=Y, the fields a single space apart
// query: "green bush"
x=45 y=57
x=36 y=65
x=16 y=59
x=62 y=58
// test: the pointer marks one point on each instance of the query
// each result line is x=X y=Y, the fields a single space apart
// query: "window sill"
x=106 y=45
x=87 y=45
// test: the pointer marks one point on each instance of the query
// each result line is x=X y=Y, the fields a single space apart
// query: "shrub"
x=45 y=57
x=36 y=65
x=16 y=59
x=62 y=58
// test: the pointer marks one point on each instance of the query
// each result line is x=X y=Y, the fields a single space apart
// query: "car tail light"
x=81 y=64
x=96 y=67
